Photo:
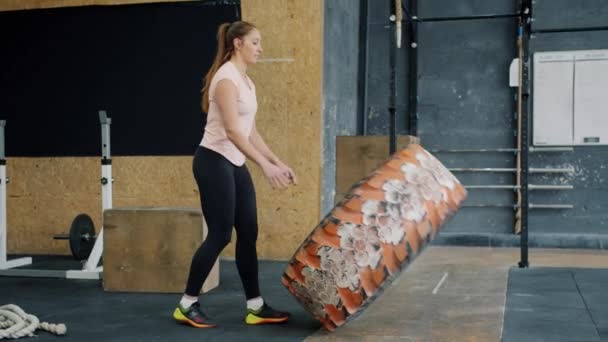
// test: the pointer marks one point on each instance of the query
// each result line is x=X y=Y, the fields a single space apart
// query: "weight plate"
x=82 y=236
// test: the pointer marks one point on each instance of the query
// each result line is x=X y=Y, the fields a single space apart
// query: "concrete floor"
x=447 y=294
x=468 y=305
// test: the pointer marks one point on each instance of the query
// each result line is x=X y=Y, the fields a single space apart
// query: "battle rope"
x=16 y=323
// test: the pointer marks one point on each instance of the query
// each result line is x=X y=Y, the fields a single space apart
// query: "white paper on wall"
x=570 y=98
x=591 y=100
x=553 y=99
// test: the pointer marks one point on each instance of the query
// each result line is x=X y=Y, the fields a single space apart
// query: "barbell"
x=82 y=236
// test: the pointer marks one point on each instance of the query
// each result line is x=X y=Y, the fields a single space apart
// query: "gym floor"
x=91 y=314
x=447 y=294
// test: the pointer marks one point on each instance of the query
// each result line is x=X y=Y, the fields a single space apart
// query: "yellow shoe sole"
x=255 y=320
x=179 y=316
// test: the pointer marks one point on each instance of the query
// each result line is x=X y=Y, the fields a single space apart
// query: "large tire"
x=381 y=225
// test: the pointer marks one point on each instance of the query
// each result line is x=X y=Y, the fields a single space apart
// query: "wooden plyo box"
x=150 y=249
x=357 y=156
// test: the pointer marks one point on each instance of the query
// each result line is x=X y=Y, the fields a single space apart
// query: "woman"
x=226 y=190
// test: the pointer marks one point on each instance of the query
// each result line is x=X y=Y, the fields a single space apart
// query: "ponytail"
x=225 y=35
x=221 y=57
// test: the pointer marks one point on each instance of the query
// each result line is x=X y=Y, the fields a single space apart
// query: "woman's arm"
x=226 y=96
x=258 y=142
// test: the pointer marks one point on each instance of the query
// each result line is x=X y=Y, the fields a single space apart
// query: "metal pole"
x=514 y=206
x=106 y=188
x=505 y=169
x=469 y=17
x=576 y=29
x=4 y=262
x=392 y=89
x=106 y=161
x=509 y=150
x=520 y=48
x=524 y=29
x=90 y=269
x=3 y=221
x=413 y=69
x=363 y=71
x=515 y=187
x=2 y=153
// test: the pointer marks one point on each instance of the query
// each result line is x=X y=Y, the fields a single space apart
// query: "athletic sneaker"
x=265 y=315
x=193 y=316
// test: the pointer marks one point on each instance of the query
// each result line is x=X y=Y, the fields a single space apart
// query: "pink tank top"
x=215 y=137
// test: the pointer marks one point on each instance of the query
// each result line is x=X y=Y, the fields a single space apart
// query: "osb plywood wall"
x=45 y=194
x=14 y=5
x=289 y=83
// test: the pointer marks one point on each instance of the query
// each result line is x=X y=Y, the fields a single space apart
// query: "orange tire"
x=352 y=267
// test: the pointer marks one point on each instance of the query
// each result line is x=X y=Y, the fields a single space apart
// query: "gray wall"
x=590 y=195
x=376 y=97
x=465 y=102
x=341 y=96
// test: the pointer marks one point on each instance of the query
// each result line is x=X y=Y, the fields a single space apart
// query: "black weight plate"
x=81 y=226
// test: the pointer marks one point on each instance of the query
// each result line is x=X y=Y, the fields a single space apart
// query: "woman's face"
x=250 y=46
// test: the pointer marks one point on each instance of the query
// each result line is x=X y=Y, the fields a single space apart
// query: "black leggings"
x=227 y=200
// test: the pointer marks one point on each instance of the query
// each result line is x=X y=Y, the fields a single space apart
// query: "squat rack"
x=91 y=268
x=4 y=262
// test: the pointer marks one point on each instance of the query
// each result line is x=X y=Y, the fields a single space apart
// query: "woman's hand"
x=277 y=177
x=288 y=172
